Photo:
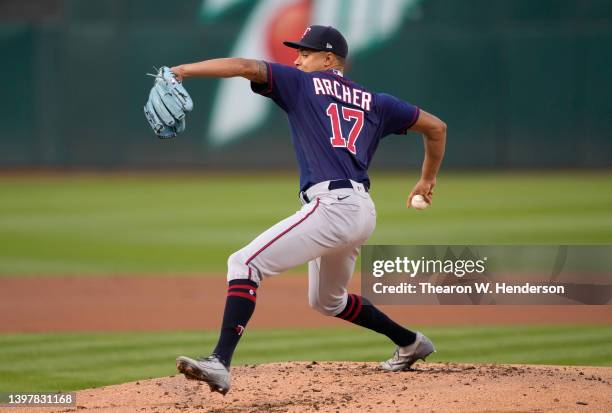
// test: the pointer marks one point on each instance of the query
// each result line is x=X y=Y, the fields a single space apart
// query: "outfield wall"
x=520 y=83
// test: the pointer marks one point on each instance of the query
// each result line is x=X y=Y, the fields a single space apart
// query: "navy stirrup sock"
x=239 y=307
x=360 y=311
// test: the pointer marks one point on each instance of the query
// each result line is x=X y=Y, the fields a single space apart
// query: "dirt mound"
x=349 y=386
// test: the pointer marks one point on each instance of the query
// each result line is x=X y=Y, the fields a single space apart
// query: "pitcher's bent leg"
x=293 y=241
x=328 y=277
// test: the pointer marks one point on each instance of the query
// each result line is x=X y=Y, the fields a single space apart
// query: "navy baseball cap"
x=322 y=38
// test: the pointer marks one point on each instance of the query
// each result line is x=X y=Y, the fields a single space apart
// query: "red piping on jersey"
x=281 y=234
x=269 y=88
x=415 y=117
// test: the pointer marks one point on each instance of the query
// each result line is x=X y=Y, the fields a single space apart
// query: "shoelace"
x=208 y=358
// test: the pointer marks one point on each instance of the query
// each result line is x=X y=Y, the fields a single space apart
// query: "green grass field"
x=182 y=223
x=188 y=223
x=51 y=362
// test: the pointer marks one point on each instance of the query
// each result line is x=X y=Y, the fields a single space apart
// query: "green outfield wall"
x=521 y=83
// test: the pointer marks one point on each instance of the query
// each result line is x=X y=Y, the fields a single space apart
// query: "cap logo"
x=306 y=32
x=329 y=46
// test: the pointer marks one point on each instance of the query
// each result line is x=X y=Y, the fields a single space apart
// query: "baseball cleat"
x=208 y=369
x=405 y=357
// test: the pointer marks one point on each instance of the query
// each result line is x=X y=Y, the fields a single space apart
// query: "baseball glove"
x=168 y=102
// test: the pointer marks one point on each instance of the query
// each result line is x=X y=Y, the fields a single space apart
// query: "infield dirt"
x=356 y=387
x=125 y=303
x=107 y=303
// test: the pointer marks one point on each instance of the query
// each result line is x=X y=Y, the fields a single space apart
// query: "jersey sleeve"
x=397 y=116
x=283 y=86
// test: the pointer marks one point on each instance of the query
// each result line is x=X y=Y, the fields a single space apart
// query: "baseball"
x=418 y=202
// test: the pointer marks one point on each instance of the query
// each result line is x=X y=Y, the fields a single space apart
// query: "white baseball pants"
x=326 y=232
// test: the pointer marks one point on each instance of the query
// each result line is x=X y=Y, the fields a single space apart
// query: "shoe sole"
x=408 y=367
x=423 y=357
x=193 y=373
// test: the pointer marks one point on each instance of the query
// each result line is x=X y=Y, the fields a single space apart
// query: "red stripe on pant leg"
x=353 y=306
x=241 y=286
x=240 y=294
x=350 y=308
x=346 y=307
x=357 y=310
x=243 y=290
x=282 y=233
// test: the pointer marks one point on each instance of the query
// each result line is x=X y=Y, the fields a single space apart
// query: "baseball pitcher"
x=336 y=126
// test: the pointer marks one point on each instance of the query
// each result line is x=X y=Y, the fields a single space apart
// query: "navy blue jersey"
x=336 y=124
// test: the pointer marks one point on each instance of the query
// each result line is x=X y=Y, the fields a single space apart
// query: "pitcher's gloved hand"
x=168 y=102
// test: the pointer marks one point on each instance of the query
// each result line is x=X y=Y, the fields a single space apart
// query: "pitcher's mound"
x=355 y=387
